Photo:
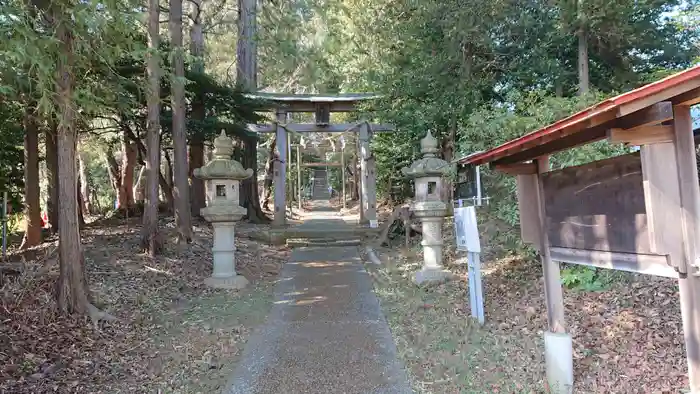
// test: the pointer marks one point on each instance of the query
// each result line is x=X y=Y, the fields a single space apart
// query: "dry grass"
x=444 y=350
x=628 y=337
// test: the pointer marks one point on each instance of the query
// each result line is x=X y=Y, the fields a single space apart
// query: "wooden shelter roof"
x=649 y=104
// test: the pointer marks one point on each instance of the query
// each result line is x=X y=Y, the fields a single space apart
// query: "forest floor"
x=628 y=336
x=174 y=335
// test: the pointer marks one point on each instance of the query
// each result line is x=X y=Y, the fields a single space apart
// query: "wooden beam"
x=313 y=128
x=662 y=95
x=641 y=135
x=311 y=107
x=333 y=164
x=652 y=115
x=581 y=128
x=584 y=137
x=642 y=263
x=688 y=98
x=527 y=168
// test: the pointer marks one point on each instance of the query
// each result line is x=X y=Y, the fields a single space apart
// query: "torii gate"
x=321 y=106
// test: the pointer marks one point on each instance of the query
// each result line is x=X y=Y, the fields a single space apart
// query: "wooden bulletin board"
x=598 y=206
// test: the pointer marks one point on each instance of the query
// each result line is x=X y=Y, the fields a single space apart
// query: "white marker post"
x=468 y=240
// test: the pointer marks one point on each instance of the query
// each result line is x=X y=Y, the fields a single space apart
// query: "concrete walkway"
x=326 y=332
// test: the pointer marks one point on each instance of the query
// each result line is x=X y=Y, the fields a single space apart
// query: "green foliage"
x=225 y=107
x=11 y=150
x=490 y=70
x=102 y=33
x=15 y=223
x=584 y=278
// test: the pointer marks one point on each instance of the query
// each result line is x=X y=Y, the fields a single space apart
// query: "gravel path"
x=326 y=332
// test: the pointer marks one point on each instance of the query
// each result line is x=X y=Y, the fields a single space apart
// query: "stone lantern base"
x=224 y=275
x=430 y=275
x=236 y=282
x=432 y=271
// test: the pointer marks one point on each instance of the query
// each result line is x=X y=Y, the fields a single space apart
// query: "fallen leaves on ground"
x=627 y=338
x=173 y=334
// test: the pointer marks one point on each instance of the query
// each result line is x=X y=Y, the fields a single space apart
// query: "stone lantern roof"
x=429 y=164
x=222 y=166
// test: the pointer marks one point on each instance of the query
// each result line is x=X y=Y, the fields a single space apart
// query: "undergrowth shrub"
x=581 y=277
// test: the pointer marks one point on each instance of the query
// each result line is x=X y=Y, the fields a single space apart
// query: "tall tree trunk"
x=32 y=207
x=84 y=185
x=166 y=186
x=558 y=88
x=246 y=51
x=247 y=78
x=269 y=172
x=168 y=178
x=168 y=169
x=72 y=286
x=198 y=195
x=126 y=191
x=52 y=205
x=448 y=153
x=150 y=237
x=113 y=170
x=583 y=74
x=196 y=160
x=250 y=197
x=183 y=218
x=81 y=201
x=140 y=187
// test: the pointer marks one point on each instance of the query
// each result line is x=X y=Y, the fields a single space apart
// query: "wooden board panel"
x=598 y=206
x=527 y=206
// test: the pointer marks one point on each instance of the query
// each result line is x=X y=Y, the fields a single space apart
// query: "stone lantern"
x=223 y=177
x=428 y=174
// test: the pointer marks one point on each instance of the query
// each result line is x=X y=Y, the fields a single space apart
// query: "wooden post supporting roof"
x=552 y=278
x=689 y=283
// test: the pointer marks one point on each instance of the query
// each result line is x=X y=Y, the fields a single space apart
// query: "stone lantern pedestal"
x=223 y=176
x=428 y=175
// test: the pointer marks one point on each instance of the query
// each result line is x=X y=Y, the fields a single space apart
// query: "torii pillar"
x=280 y=169
x=368 y=178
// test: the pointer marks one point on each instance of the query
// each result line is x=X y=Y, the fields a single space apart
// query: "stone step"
x=324 y=233
x=300 y=242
